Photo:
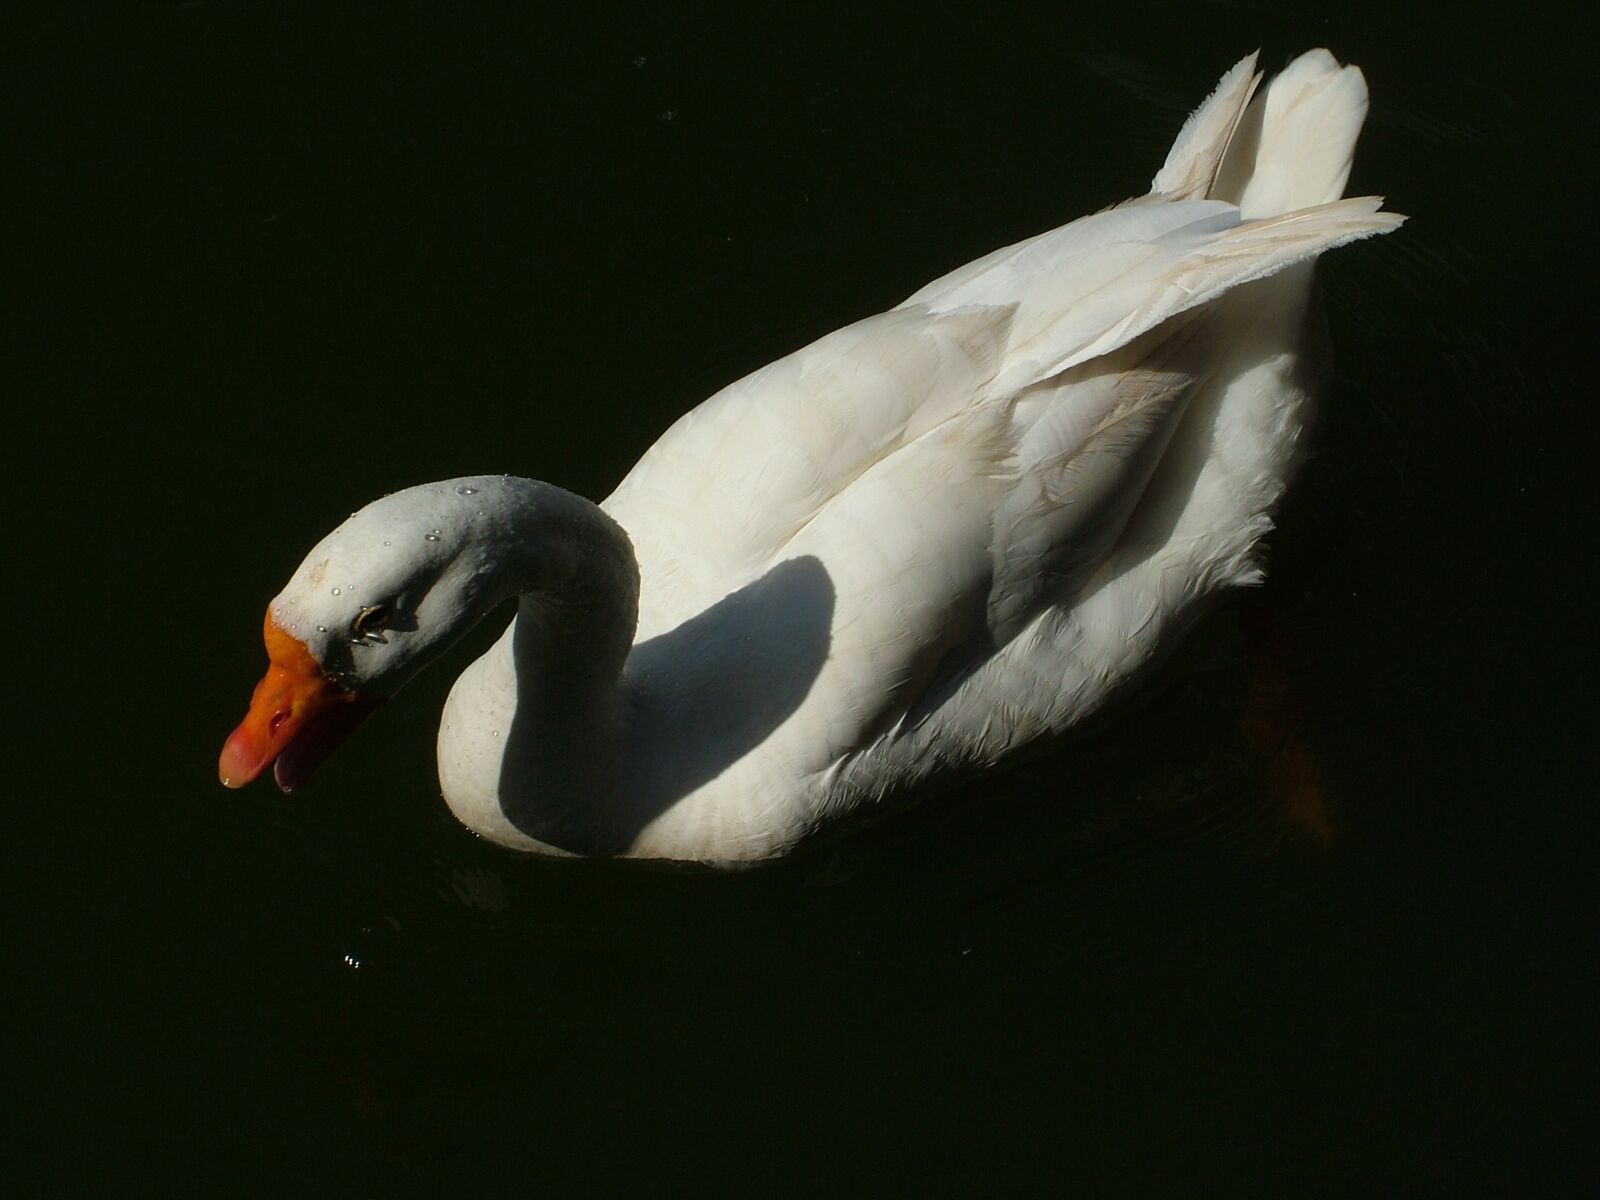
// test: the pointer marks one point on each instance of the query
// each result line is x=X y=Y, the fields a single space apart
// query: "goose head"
x=372 y=603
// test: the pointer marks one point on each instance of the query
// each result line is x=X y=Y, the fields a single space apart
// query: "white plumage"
x=904 y=552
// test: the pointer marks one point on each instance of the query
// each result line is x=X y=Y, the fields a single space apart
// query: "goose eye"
x=370 y=621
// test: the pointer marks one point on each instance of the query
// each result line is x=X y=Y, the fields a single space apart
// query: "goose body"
x=903 y=553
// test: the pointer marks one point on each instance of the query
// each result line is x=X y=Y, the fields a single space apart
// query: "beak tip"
x=237 y=767
x=297 y=715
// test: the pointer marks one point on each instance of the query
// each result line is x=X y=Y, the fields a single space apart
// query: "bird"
x=898 y=557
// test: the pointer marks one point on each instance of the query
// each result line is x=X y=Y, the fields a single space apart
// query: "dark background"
x=1305 y=919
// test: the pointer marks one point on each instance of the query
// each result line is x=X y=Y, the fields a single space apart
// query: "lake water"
x=1301 y=918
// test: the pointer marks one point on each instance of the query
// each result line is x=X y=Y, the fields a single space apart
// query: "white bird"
x=899 y=555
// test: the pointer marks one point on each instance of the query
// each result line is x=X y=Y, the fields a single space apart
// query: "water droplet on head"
x=386 y=542
x=322 y=629
x=432 y=537
x=467 y=491
x=335 y=591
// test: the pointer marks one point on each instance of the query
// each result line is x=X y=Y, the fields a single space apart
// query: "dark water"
x=1305 y=919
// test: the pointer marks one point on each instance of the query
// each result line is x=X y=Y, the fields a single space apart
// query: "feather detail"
x=1196 y=156
x=1025 y=479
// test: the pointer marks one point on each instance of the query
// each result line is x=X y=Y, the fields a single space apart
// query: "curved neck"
x=532 y=731
x=577 y=609
x=577 y=582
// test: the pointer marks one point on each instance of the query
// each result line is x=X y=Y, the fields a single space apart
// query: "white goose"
x=902 y=553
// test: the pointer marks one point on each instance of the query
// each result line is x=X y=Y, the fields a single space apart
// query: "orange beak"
x=297 y=717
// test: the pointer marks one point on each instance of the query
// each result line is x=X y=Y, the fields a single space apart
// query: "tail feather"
x=1090 y=286
x=1198 y=152
x=1295 y=143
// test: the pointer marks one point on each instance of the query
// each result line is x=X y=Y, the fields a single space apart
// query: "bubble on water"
x=467 y=491
x=432 y=537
